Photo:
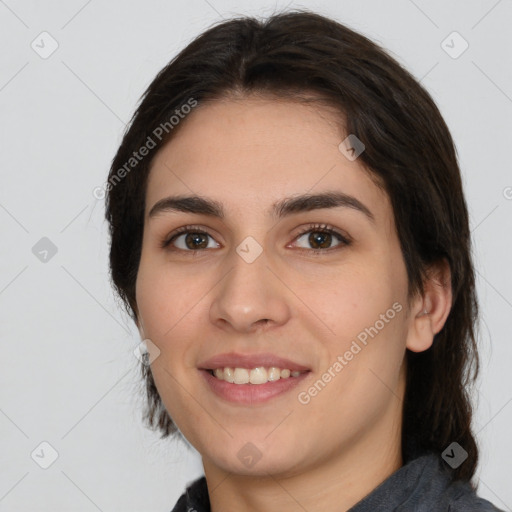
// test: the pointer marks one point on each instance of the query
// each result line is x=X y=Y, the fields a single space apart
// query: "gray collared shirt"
x=421 y=485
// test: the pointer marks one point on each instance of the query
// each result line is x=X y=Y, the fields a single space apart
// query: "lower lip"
x=249 y=394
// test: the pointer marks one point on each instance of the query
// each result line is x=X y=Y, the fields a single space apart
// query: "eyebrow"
x=282 y=208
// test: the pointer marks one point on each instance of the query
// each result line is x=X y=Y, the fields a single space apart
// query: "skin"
x=330 y=453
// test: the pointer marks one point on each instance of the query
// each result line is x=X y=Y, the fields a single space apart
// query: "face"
x=263 y=281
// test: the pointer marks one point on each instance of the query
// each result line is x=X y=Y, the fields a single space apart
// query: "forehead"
x=248 y=154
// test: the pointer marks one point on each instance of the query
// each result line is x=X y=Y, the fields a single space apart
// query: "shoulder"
x=461 y=497
x=424 y=484
x=443 y=494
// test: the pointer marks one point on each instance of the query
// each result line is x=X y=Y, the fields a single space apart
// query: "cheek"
x=152 y=303
x=171 y=306
x=347 y=300
x=163 y=298
x=364 y=311
x=165 y=310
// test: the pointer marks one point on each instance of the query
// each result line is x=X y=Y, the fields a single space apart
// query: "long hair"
x=408 y=151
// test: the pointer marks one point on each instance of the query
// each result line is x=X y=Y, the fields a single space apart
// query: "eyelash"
x=320 y=228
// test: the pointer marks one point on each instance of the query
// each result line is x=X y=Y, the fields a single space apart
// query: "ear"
x=430 y=311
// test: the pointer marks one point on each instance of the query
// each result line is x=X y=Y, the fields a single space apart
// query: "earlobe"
x=430 y=311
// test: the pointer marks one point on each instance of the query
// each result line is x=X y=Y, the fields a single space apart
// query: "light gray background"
x=68 y=374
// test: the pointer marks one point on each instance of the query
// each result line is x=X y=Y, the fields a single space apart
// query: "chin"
x=251 y=459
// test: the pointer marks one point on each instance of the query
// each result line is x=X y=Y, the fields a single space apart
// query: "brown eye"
x=188 y=240
x=321 y=237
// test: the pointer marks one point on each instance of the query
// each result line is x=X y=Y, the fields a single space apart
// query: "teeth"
x=258 y=375
x=274 y=373
x=228 y=374
x=242 y=376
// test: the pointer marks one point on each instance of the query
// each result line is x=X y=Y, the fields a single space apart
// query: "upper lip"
x=234 y=360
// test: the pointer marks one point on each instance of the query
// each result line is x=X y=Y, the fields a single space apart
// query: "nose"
x=249 y=297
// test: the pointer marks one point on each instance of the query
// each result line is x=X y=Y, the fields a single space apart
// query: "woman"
x=290 y=235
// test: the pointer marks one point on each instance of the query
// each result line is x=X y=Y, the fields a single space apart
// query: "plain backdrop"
x=68 y=375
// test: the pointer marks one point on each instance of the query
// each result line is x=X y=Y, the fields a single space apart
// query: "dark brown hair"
x=408 y=150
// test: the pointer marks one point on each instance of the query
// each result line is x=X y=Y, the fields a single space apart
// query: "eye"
x=193 y=239
x=321 y=237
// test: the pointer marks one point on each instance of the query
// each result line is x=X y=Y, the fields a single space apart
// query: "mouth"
x=250 y=379
x=251 y=387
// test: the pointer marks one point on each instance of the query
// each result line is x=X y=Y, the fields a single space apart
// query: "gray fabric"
x=421 y=485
